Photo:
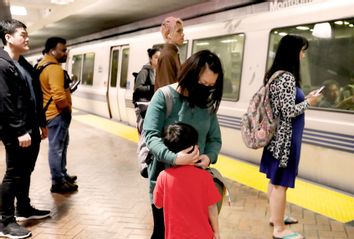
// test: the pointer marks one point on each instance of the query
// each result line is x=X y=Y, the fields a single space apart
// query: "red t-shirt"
x=185 y=192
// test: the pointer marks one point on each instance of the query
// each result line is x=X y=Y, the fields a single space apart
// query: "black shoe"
x=71 y=179
x=31 y=213
x=14 y=231
x=65 y=187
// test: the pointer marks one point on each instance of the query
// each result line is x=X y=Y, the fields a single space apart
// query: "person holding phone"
x=55 y=84
x=281 y=157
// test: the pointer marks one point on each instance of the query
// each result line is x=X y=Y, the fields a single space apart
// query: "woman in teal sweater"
x=196 y=99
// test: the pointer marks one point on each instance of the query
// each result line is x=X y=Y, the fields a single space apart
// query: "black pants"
x=20 y=163
x=159 y=226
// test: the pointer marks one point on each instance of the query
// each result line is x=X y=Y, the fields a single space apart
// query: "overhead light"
x=202 y=44
x=339 y=22
x=283 y=33
x=302 y=28
x=61 y=2
x=18 y=11
x=228 y=41
x=322 y=30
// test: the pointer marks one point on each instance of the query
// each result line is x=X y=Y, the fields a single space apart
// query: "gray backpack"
x=145 y=157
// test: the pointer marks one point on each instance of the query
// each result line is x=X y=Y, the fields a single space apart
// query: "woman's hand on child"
x=203 y=161
x=188 y=156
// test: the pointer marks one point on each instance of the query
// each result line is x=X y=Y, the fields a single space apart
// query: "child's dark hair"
x=152 y=51
x=180 y=136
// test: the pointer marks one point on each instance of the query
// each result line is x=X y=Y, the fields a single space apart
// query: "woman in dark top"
x=144 y=86
x=281 y=156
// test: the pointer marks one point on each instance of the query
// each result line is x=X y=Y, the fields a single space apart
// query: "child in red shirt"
x=187 y=194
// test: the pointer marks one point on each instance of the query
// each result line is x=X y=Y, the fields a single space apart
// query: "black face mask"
x=202 y=96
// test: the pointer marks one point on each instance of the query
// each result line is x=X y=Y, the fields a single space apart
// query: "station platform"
x=112 y=200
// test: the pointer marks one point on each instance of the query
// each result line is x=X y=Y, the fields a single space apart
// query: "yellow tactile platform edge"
x=329 y=203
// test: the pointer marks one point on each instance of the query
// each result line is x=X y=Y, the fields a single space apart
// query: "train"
x=245 y=39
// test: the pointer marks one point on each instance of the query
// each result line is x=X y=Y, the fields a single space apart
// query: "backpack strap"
x=274 y=76
x=168 y=99
x=39 y=71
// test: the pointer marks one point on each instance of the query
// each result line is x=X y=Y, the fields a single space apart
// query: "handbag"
x=221 y=185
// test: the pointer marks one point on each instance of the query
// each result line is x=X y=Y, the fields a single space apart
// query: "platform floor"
x=112 y=201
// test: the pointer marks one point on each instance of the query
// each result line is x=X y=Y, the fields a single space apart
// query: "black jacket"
x=18 y=112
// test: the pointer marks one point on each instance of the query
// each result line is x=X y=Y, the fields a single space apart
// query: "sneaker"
x=14 y=231
x=71 y=179
x=31 y=213
x=65 y=187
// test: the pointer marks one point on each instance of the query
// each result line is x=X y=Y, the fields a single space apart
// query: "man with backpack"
x=21 y=116
x=56 y=90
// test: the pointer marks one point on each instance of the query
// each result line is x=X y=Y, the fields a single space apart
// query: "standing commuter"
x=21 y=116
x=281 y=156
x=55 y=87
x=169 y=62
x=196 y=99
x=187 y=193
x=144 y=86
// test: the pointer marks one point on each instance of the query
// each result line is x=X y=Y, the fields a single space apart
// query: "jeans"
x=58 y=138
x=20 y=164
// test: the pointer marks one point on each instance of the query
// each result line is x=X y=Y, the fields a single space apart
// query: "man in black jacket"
x=21 y=116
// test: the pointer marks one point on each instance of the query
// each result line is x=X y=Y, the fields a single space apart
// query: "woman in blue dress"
x=281 y=156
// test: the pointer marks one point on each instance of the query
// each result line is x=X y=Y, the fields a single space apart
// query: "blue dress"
x=270 y=166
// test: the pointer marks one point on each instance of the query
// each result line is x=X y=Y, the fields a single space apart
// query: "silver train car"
x=245 y=39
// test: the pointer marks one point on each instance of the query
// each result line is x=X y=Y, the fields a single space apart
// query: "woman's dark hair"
x=152 y=51
x=189 y=74
x=287 y=57
x=180 y=136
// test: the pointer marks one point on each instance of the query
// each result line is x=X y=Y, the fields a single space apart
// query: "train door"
x=117 y=82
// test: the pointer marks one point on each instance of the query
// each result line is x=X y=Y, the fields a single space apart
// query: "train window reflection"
x=83 y=67
x=77 y=66
x=88 y=68
x=114 y=68
x=183 y=50
x=124 y=70
x=230 y=50
x=328 y=62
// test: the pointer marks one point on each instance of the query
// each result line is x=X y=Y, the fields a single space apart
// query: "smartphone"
x=319 y=91
x=73 y=87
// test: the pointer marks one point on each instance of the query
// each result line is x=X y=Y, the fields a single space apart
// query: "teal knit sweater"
x=155 y=122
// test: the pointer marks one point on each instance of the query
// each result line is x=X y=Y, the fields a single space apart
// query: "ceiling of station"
x=81 y=17
x=73 y=19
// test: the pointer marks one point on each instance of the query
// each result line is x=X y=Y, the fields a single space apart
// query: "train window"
x=114 y=68
x=76 y=66
x=230 y=50
x=83 y=67
x=328 y=62
x=88 y=68
x=124 y=70
x=183 y=50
